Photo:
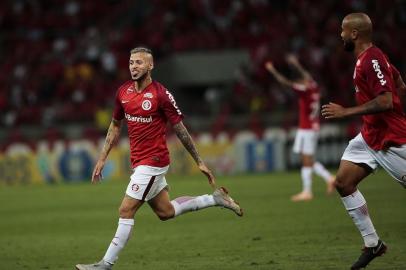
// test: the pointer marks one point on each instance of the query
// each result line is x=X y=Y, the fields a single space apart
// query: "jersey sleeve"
x=118 y=111
x=169 y=107
x=395 y=72
x=378 y=74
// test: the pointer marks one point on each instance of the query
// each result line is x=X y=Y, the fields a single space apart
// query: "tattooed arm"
x=379 y=104
x=112 y=136
x=187 y=141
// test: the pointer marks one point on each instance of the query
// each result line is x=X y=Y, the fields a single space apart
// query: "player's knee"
x=125 y=212
x=165 y=215
x=343 y=187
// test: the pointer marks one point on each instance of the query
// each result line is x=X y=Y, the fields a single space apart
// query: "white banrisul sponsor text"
x=138 y=119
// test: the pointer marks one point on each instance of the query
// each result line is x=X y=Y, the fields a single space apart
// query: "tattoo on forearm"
x=374 y=106
x=111 y=138
x=187 y=141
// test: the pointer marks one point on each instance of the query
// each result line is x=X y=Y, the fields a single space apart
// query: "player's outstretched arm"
x=278 y=76
x=112 y=136
x=292 y=60
x=379 y=104
x=188 y=143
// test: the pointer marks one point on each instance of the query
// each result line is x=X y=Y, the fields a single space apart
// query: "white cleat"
x=222 y=198
x=95 y=266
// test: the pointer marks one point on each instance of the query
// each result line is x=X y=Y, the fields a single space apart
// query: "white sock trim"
x=176 y=207
x=353 y=201
x=126 y=221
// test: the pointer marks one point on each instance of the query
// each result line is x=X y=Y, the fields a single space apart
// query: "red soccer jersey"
x=309 y=105
x=374 y=75
x=147 y=114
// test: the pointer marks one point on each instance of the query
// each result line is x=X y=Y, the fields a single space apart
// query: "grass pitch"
x=56 y=227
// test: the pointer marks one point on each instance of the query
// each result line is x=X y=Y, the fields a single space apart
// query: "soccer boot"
x=302 y=196
x=95 y=266
x=368 y=254
x=222 y=198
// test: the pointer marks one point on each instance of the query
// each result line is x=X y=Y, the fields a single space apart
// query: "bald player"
x=146 y=106
x=382 y=140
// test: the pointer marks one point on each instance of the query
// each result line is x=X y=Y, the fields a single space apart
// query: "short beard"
x=140 y=79
x=349 y=45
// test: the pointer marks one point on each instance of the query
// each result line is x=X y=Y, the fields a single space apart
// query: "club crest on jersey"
x=146 y=105
x=148 y=95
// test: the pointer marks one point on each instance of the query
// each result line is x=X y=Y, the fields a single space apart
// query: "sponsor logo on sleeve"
x=377 y=68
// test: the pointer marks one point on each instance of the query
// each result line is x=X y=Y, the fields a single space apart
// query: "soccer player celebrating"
x=306 y=137
x=382 y=140
x=147 y=106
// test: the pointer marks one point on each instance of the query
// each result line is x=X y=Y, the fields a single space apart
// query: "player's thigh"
x=307 y=160
x=349 y=175
x=129 y=207
x=298 y=142
x=162 y=205
x=310 y=142
x=393 y=160
x=146 y=182
x=305 y=142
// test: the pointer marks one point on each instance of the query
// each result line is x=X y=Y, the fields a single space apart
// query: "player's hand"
x=291 y=59
x=212 y=180
x=269 y=66
x=333 y=111
x=97 y=171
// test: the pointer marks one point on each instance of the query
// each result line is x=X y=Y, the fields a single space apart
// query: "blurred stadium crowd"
x=61 y=61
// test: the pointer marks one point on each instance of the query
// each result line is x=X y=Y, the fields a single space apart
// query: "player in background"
x=146 y=106
x=382 y=140
x=307 y=135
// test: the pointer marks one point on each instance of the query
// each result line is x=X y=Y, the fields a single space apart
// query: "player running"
x=147 y=106
x=382 y=140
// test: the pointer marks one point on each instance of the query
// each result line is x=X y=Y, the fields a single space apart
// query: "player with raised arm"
x=147 y=106
x=382 y=140
x=307 y=135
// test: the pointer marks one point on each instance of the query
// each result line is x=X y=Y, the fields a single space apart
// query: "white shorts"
x=305 y=141
x=393 y=159
x=146 y=182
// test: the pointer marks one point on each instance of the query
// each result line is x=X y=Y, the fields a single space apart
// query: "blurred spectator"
x=61 y=60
